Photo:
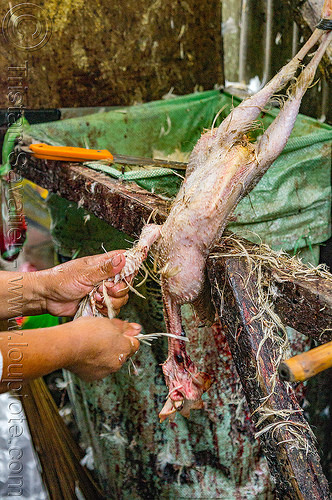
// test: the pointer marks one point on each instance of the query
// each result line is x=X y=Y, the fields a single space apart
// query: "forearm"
x=28 y=354
x=92 y=348
x=21 y=294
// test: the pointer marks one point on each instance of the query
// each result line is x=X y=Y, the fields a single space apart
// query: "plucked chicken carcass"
x=223 y=167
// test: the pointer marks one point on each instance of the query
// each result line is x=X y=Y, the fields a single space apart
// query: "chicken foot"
x=134 y=259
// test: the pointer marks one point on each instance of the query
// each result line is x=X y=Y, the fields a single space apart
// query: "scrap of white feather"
x=108 y=302
x=148 y=337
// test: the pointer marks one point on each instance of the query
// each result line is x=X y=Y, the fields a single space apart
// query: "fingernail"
x=109 y=284
x=116 y=260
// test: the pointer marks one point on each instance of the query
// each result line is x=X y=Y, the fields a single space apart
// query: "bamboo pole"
x=59 y=455
x=307 y=364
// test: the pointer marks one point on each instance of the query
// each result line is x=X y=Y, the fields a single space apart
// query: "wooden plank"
x=123 y=205
x=287 y=440
x=307 y=15
x=305 y=305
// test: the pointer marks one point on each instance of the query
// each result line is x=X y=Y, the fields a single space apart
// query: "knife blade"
x=65 y=153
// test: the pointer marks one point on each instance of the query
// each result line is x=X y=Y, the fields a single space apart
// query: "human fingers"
x=105 y=351
x=131 y=330
x=114 y=290
x=97 y=268
x=116 y=303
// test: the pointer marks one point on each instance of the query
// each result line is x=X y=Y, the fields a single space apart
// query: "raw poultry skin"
x=224 y=166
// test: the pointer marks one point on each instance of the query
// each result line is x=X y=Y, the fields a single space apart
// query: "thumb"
x=101 y=267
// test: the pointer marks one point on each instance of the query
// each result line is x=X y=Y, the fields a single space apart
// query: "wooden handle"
x=307 y=364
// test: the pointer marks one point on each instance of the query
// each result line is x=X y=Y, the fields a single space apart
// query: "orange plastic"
x=63 y=153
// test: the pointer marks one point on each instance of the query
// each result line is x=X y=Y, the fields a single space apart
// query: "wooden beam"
x=305 y=305
x=287 y=441
x=123 y=205
x=307 y=15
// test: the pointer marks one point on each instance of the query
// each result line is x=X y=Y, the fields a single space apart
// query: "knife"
x=64 y=153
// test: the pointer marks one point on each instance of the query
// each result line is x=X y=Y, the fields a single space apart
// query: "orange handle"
x=64 y=153
x=307 y=364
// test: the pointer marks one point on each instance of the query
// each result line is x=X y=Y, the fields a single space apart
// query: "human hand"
x=102 y=346
x=62 y=287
